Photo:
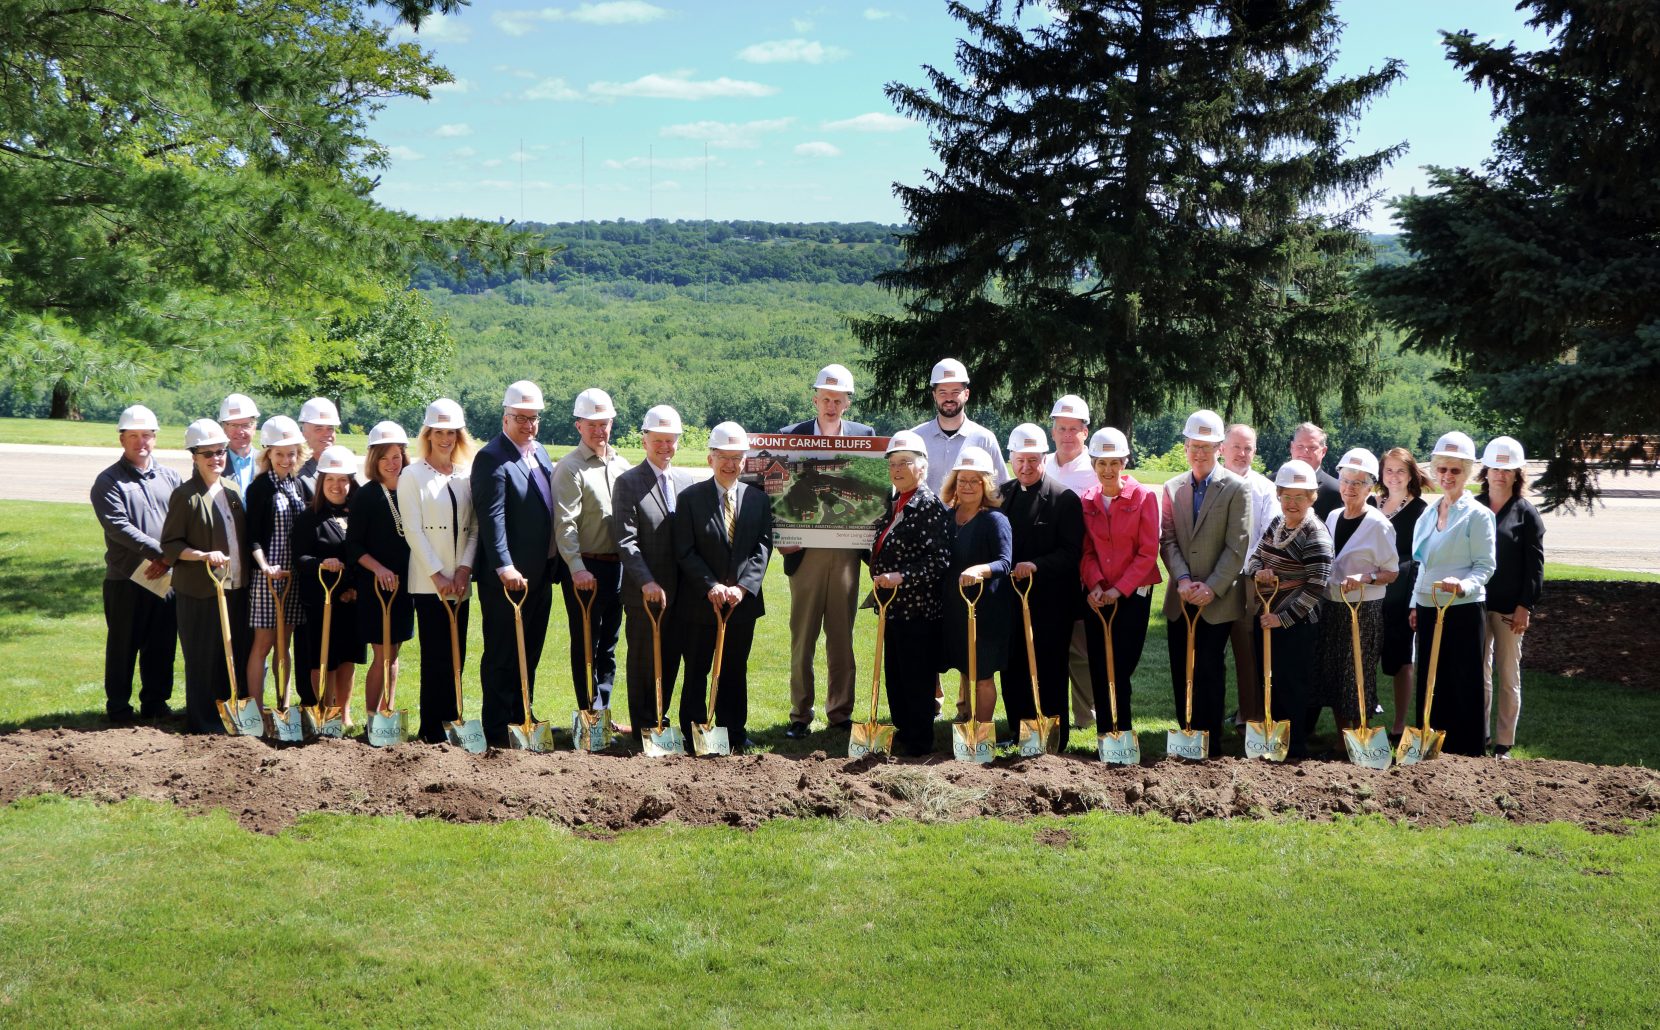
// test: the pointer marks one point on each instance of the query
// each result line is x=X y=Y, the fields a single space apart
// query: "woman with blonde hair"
x=276 y=497
x=1402 y=500
x=982 y=554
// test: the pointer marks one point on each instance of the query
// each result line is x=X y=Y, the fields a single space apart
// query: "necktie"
x=668 y=495
x=731 y=515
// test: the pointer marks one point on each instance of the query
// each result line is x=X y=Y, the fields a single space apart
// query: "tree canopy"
x=191 y=178
x=1539 y=273
x=1144 y=202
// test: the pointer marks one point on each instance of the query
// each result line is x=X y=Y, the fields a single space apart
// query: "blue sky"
x=615 y=103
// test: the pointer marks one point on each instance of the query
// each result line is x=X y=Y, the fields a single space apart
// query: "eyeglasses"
x=220 y=453
x=1448 y=470
x=525 y=420
x=1352 y=481
x=902 y=463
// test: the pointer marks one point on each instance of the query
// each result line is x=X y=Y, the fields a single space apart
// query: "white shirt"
x=1263 y=508
x=1076 y=475
x=1372 y=546
x=943 y=449
x=232 y=546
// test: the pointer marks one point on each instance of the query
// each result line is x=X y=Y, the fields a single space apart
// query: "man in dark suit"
x=1047 y=521
x=513 y=496
x=643 y=503
x=824 y=583
x=1308 y=443
x=723 y=536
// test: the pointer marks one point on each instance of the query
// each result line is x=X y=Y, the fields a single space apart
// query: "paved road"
x=1623 y=534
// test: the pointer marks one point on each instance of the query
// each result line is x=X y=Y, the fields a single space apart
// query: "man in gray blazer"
x=643 y=503
x=1203 y=534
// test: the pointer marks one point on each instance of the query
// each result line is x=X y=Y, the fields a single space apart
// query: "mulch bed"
x=1597 y=631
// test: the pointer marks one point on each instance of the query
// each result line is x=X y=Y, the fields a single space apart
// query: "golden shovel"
x=1116 y=746
x=707 y=738
x=387 y=726
x=591 y=728
x=531 y=735
x=971 y=741
x=325 y=718
x=1267 y=739
x=284 y=723
x=1420 y=744
x=662 y=740
x=1040 y=736
x=872 y=736
x=1187 y=742
x=240 y=716
x=1368 y=747
x=464 y=732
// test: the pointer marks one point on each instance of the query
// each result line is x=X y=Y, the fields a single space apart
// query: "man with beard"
x=950 y=430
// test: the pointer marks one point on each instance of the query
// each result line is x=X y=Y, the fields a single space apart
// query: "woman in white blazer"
x=1367 y=562
x=436 y=499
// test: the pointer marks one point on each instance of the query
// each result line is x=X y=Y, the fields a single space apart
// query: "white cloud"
x=874 y=121
x=668 y=185
x=680 y=85
x=463 y=152
x=817 y=148
x=782 y=51
x=732 y=135
x=673 y=164
x=435 y=28
x=877 y=14
x=552 y=89
x=402 y=153
x=453 y=130
x=458 y=86
x=801 y=25
x=494 y=162
x=515 y=23
x=616 y=12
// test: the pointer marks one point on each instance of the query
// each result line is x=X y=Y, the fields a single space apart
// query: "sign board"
x=826 y=491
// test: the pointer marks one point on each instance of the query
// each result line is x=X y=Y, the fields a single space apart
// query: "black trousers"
x=206 y=679
x=642 y=689
x=1129 y=636
x=1296 y=650
x=732 y=699
x=1460 y=705
x=1052 y=641
x=437 y=670
x=498 y=669
x=605 y=617
x=1210 y=684
x=910 y=656
x=141 y=629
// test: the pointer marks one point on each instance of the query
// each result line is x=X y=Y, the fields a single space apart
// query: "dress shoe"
x=796 y=730
x=153 y=712
x=845 y=726
x=124 y=717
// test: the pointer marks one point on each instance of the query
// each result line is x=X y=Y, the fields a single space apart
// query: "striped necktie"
x=731 y=515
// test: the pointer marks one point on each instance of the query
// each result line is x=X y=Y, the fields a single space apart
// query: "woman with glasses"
x=206 y=527
x=1366 y=563
x=1454 y=548
x=1401 y=502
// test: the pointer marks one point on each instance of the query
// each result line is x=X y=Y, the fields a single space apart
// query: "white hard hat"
x=1360 y=459
x=661 y=419
x=280 y=431
x=1203 y=426
x=320 y=411
x=594 y=403
x=387 y=432
x=523 y=395
x=1455 y=445
x=202 y=433
x=444 y=413
x=728 y=436
x=949 y=370
x=1108 y=443
x=905 y=440
x=1296 y=475
x=337 y=459
x=138 y=417
x=1503 y=452
x=1028 y=439
x=1071 y=406
x=973 y=459
x=237 y=405
x=834 y=377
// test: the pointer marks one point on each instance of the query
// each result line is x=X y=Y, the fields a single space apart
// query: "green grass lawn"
x=141 y=914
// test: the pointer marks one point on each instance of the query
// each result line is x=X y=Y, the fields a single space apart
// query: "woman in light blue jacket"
x=1453 y=545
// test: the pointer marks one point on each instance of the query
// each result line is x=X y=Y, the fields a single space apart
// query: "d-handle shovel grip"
x=656 y=618
x=1112 y=673
x=881 y=640
x=386 y=598
x=220 y=579
x=452 y=607
x=1031 y=648
x=585 y=600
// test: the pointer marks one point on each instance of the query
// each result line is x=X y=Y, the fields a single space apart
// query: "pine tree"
x=1141 y=201
x=1539 y=274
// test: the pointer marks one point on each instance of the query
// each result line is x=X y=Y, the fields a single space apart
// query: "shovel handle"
x=1031 y=648
x=656 y=618
x=219 y=581
x=324 y=680
x=390 y=685
x=281 y=661
x=1267 y=603
x=585 y=600
x=1112 y=677
x=452 y=607
x=881 y=639
x=1354 y=648
x=721 y=615
x=1435 y=649
x=1190 y=615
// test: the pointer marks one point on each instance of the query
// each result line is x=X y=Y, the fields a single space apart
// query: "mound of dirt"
x=1596 y=631
x=266 y=787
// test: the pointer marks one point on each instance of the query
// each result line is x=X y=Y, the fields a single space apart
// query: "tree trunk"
x=64 y=403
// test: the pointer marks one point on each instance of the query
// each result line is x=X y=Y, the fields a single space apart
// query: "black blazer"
x=1050 y=535
x=1519 y=550
x=919 y=548
x=1329 y=498
x=706 y=559
x=261 y=503
x=372 y=530
x=320 y=534
x=644 y=531
x=514 y=525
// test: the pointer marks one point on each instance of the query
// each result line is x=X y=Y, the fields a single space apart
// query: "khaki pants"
x=824 y=592
x=1083 y=687
x=1244 y=636
x=1502 y=661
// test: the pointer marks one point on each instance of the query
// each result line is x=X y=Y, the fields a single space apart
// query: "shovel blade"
x=971 y=742
x=1039 y=736
x=286 y=725
x=334 y=722
x=710 y=740
x=1192 y=745
x=869 y=738
x=1268 y=739
x=468 y=735
x=241 y=717
x=535 y=736
x=1120 y=748
x=387 y=728
x=591 y=729
x=1368 y=748
x=1417 y=746
x=663 y=741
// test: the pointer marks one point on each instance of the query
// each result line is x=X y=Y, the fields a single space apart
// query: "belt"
x=613 y=556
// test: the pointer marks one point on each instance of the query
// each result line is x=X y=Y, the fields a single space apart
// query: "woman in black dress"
x=1402 y=503
x=380 y=558
x=981 y=556
x=319 y=542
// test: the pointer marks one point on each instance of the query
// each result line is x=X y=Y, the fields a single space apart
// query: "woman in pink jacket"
x=1119 y=568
